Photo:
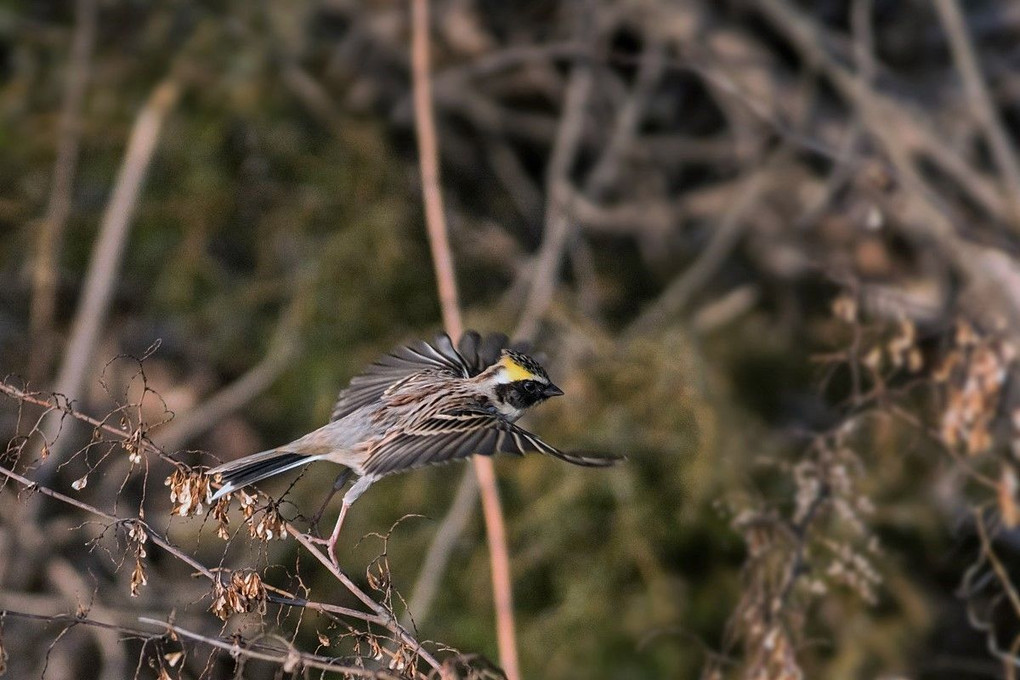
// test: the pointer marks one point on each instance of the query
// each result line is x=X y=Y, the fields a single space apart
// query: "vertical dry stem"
x=106 y=257
x=58 y=207
x=443 y=260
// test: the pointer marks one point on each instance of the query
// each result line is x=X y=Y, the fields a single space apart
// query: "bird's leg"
x=352 y=494
x=338 y=484
x=331 y=543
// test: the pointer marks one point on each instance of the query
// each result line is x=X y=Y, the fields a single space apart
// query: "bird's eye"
x=531 y=387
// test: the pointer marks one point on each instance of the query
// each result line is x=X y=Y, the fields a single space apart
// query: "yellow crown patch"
x=514 y=370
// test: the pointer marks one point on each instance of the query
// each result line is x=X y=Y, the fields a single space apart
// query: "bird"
x=425 y=403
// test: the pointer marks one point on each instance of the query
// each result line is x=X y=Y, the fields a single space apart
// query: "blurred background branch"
x=46 y=266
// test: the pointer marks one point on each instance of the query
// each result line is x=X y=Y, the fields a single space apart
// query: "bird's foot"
x=329 y=547
x=331 y=551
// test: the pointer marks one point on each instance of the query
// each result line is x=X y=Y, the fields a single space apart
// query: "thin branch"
x=53 y=405
x=428 y=156
x=381 y=615
x=92 y=510
x=75 y=620
x=986 y=270
x=560 y=193
x=286 y=599
x=290 y=659
x=45 y=268
x=892 y=116
x=398 y=630
x=598 y=180
x=1001 y=572
x=70 y=584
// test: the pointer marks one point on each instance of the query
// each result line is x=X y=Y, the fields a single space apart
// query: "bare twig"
x=598 y=180
x=53 y=404
x=606 y=171
x=106 y=257
x=557 y=215
x=380 y=611
x=443 y=261
x=912 y=132
x=380 y=614
x=51 y=229
x=71 y=585
x=980 y=103
x=727 y=233
x=289 y=659
x=724 y=309
x=154 y=536
x=559 y=192
x=986 y=270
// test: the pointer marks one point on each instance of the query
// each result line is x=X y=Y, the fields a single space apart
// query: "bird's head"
x=519 y=382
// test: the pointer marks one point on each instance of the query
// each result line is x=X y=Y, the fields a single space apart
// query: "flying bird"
x=423 y=404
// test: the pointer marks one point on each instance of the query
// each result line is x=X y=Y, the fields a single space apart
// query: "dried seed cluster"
x=972 y=376
x=796 y=558
x=269 y=525
x=133 y=443
x=898 y=352
x=243 y=593
x=137 y=536
x=189 y=491
x=402 y=659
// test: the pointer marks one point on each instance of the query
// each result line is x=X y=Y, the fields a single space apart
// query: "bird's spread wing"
x=473 y=355
x=459 y=434
x=439 y=355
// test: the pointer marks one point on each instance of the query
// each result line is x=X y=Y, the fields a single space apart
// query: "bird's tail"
x=585 y=460
x=244 y=471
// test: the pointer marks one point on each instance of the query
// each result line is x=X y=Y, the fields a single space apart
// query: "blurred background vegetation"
x=787 y=289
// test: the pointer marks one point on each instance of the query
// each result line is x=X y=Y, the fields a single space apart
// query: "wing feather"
x=439 y=356
x=459 y=434
x=473 y=354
